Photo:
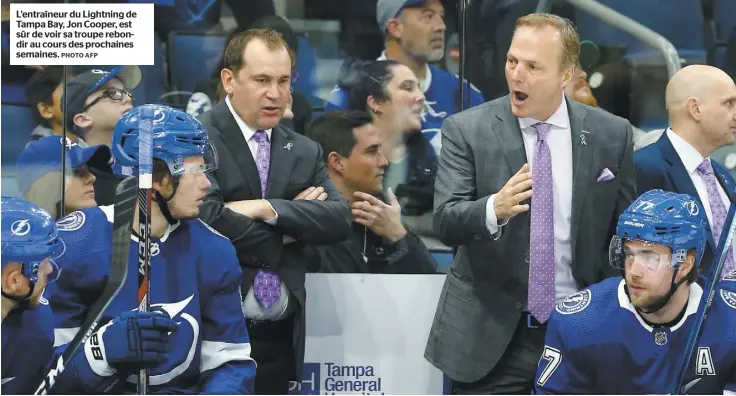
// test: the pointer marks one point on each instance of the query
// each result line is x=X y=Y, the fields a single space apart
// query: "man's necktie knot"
x=705 y=167
x=260 y=136
x=542 y=129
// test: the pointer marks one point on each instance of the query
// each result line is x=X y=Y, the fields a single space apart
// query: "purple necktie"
x=542 y=269
x=717 y=208
x=267 y=285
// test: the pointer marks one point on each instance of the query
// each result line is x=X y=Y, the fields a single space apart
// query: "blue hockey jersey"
x=28 y=339
x=195 y=278
x=598 y=344
x=441 y=90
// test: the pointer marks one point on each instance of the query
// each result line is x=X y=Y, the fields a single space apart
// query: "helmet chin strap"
x=23 y=302
x=163 y=203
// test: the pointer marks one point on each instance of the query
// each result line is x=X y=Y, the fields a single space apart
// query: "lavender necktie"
x=717 y=208
x=542 y=269
x=267 y=285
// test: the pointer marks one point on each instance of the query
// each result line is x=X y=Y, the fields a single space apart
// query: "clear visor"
x=196 y=165
x=625 y=251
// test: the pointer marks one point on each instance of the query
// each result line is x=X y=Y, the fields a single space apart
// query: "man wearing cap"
x=96 y=101
x=43 y=91
x=414 y=34
x=40 y=165
x=578 y=89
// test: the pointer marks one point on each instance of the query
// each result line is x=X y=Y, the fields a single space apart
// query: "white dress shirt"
x=559 y=141
x=251 y=307
x=691 y=159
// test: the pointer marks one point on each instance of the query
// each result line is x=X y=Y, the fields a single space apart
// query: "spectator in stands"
x=579 y=89
x=209 y=92
x=271 y=196
x=96 y=101
x=414 y=32
x=39 y=167
x=701 y=103
x=390 y=92
x=517 y=258
x=43 y=91
x=379 y=243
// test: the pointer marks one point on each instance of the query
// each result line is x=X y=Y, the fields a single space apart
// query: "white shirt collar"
x=560 y=118
x=424 y=83
x=689 y=156
x=247 y=131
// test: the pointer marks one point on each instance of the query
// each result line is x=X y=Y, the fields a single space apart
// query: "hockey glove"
x=132 y=341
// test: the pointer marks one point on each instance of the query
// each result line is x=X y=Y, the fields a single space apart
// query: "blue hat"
x=44 y=155
x=389 y=9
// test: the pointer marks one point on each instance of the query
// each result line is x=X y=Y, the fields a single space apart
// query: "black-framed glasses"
x=112 y=93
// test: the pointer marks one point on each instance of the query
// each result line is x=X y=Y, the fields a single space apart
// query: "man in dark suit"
x=516 y=258
x=271 y=195
x=701 y=104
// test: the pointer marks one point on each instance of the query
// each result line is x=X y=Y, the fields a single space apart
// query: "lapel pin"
x=289 y=146
x=582 y=140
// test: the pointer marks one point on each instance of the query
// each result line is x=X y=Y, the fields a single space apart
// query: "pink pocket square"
x=605 y=175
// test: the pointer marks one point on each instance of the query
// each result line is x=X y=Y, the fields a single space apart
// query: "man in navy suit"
x=701 y=103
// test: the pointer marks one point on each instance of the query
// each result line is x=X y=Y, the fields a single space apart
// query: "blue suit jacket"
x=658 y=166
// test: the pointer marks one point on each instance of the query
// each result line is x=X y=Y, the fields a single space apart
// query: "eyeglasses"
x=112 y=93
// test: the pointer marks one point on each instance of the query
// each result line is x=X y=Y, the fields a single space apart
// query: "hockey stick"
x=124 y=210
x=145 y=184
x=708 y=291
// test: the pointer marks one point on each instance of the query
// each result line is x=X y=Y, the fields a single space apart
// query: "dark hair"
x=362 y=79
x=40 y=89
x=333 y=131
x=235 y=50
x=272 y=22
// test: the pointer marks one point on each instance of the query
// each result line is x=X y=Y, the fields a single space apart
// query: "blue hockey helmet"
x=176 y=136
x=29 y=237
x=660 y=217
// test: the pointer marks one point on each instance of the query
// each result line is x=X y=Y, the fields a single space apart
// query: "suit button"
x=379 y=250
x=519 y=306
x=477 y=237
x=527 y=259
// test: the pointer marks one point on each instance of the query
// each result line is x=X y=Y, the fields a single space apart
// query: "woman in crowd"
x=39 y=174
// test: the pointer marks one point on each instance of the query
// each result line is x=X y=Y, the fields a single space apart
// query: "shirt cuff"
x=491 y=222
x=272 y=221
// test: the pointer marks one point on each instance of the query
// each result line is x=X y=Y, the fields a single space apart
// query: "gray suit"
x=486 y=290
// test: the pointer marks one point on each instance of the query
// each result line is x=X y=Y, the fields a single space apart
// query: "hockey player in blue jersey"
x=30 y=245
x=627 y=335
x=196 y=340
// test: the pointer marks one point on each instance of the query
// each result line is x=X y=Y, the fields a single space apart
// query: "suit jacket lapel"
x=727 y=186
x=582 y=163
x=282 y=162
x=506 y=127
x=678 y=174
x=234 y=142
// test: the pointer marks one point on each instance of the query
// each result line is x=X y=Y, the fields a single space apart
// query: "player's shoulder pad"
x=576 y=302
x=727 y=289
x=77 y=220
x=212 y=230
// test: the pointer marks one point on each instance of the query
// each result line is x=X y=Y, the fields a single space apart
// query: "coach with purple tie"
x=271 y=195
x=529 y=188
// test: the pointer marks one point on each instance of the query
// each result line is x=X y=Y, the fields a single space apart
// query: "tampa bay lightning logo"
x=692 y=208
x=20 y=227
x=729 y=298
x=184 y=340
x=574 y=303
x=71 y=222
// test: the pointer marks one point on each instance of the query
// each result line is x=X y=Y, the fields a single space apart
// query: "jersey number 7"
x=553 y=358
